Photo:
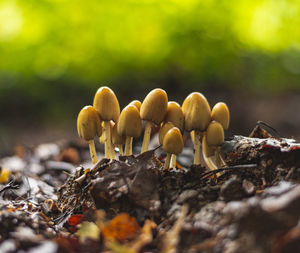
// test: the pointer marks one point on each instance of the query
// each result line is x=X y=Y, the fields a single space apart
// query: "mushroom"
x=117 y=140
x=107 y=105
x=213 y=138
x=153 y=109
x=196 y=111
x=88 y=126
x=220 y=113
x=174 y=115
x=129 y=125
x=136 y=103
x=172 y=144
x=165 y=127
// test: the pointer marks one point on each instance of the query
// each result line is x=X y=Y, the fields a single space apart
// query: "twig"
x=242 y=166
x=10 y=186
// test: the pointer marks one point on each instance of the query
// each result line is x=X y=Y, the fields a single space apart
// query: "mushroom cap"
x=214 y=134
x=154 y=106
x=163 y=130
x=130 y=122
x=88 y=123
x=220 y=113
x=196 y=111
x=107 y=104
x=173 y=141
x=115 y=137
x=175 y=115
x=136 y=103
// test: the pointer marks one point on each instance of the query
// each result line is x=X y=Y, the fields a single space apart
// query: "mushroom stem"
x=197 y=148
x=219 y=160
x=206 y=151
x=113 y=152
x=167 y=162
x=93 y=151
x=147 y=135
x=173 y=161
x=107 y=140
x=128 y=146
x=120 y=147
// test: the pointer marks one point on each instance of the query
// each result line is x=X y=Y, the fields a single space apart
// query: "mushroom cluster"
x=115 y=128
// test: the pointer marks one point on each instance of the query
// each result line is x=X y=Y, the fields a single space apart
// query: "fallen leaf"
x=75 y=219
x=120 y=228
x=88 y=230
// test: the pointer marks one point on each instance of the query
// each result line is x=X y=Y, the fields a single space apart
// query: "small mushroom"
x=220 y=113
x=129 y=125
x=136 y=103
x=107 y=105
x=175 y=115
x=88 y=126
x=196 y=111
x=165 y=127
x=117 y=140
x=172 y=144
x=153 y=109
x=211 y=140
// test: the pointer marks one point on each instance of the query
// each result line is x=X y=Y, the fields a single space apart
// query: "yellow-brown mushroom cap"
x=163 y=130
x=130 y=122
x=107 y=104
x=175 y=115
x=220 y=113
x=136 y=103
x=196 y=111
x=154 y=106
x=214 y=134
x=88 y=123
x=173 y=141
x=115 y=137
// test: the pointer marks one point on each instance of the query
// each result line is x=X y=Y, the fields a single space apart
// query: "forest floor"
x=50 y=203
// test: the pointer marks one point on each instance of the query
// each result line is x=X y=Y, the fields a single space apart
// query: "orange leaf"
x=120 y=228
x=75 y=219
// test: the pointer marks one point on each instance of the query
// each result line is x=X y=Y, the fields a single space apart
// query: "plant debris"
x=252 y=204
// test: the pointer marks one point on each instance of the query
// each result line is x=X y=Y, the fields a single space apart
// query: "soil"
x=50 y=203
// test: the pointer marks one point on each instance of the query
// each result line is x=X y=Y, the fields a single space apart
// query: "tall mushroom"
x=213 y=138
x=174 y=115
x=172 y=144
x=107 y=105
x=117 y=140
x=153 y=109
x=88 y=126
x=129 y=125
x=196 y=111
x=220 y=113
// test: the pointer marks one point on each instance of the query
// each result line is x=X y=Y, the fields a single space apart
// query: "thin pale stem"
x=173 y=161
x=167 y=162
x=206 y=156
x=113 y=152
x=107 y=139
x=219 y=159
x=93 y=151
x=197 y=148
x=120 y=147
x=128 y=146
x=147 y=135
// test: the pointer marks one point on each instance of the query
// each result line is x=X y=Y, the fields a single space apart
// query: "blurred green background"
x=54 y=54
